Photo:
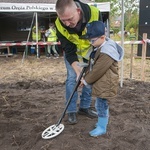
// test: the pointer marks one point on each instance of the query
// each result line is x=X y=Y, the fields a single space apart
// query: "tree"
x=132 y=26
x=131 y=13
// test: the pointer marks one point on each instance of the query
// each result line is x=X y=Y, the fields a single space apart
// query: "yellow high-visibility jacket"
x=52 y=36
x=83 y=46
x=34 y=34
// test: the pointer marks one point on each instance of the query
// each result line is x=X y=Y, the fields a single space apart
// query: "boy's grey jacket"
x=104 y=76
x=112 y=49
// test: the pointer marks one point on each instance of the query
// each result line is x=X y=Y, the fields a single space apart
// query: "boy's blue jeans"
x=85 y=97
x=102 y=107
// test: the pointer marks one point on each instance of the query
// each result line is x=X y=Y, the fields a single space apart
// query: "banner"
x=43 y=7
x=27 y=7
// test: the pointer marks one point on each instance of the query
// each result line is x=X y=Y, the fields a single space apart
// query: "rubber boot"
x=107 y=114
x=100 y=128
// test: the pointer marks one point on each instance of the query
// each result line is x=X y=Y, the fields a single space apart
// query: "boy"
x=102 y=73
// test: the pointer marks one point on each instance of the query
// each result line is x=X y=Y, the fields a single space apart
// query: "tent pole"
x=37 y=46
x=26 y=47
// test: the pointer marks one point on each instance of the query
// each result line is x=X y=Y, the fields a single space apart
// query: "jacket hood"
x=112 y=49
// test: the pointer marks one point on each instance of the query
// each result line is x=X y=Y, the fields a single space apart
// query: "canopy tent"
x=43 y=7
x=12 y=10
x=37 y=9
x=16 y=11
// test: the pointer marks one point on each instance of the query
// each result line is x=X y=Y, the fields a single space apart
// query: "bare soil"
x=32 y=98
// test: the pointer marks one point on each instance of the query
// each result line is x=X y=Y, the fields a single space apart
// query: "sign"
x=27 y=7
x=43 y=7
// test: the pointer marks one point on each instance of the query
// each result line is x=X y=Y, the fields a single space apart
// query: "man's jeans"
x=85 y=97
x=101 y=107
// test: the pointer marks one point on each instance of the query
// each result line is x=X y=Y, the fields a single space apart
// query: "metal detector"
x=56 y=129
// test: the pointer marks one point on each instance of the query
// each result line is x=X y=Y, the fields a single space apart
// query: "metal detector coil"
x=52 y=131
x=56 y=129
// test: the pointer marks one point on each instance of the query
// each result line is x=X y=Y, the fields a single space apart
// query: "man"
x=73 y=16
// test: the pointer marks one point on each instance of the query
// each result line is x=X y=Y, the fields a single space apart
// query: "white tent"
x=42 y=7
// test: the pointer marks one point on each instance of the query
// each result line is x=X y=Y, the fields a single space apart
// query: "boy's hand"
x=81 y=83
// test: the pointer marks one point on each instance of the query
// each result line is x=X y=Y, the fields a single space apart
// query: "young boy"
x=102 y=73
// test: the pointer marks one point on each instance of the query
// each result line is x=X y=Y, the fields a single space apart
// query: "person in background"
x=102 y=73
x=51 y=37
x=73 y=15
x=34 y=33
x=34 y=39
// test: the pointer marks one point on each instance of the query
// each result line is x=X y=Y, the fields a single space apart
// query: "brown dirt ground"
x=32 y=98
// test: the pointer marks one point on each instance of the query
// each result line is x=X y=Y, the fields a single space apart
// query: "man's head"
x=95 y=33
x=68 y=12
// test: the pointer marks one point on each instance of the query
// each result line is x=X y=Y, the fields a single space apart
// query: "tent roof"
x=41 y=5
x=37 y=1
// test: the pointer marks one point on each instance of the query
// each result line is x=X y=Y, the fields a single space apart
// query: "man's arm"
x=69 y=48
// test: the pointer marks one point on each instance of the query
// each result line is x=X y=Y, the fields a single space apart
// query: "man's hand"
x=77 y=69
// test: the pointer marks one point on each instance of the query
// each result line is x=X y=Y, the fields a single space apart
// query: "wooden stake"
x=144 y=45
